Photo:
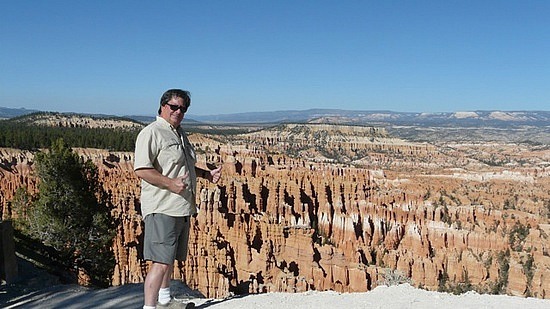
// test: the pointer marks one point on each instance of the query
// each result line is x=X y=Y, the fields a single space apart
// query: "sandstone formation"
x=318 y=207
x=81 y=121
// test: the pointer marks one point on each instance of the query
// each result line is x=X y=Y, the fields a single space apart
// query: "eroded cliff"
x=313 y=207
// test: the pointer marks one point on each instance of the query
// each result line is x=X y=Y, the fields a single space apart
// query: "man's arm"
x=152 y=176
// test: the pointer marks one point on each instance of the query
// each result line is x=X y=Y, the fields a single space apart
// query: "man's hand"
x=179 y=184
x=215 y=174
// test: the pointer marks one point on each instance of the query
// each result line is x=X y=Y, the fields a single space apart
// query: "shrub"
x=394 y=277
x=70 y=213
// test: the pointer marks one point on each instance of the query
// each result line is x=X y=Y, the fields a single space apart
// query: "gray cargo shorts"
x=166 y=238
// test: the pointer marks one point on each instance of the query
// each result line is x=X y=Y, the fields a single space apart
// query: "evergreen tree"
x=21 y=205
x=71 y=213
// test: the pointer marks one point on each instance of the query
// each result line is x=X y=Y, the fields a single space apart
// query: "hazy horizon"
x=190 y=115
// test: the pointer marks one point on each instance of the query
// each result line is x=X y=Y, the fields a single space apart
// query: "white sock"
x=164 y=295
x=149 y=307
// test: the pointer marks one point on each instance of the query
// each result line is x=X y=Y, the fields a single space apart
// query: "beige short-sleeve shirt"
x=166 y=149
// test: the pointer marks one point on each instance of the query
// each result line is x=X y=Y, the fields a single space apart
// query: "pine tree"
x=71 y=212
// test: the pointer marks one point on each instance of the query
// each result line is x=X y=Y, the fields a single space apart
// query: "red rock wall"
x=275 y=223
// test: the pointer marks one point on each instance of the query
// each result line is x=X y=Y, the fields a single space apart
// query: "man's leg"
x=164 y=292
x=156 y=277
x=167 y=277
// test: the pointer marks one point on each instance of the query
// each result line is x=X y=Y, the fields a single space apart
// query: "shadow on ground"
x=36 y=288
x=74 y=296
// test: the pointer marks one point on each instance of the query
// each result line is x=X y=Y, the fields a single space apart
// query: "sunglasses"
x=174 y=107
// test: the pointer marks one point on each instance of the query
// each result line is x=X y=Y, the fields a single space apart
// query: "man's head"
x=173 y=104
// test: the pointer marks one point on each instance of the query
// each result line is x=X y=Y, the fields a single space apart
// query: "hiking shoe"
x=176 y=304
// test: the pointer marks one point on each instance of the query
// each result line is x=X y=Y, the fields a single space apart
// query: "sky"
x=118 y=57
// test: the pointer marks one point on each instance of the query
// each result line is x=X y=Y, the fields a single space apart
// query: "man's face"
x=172 y=111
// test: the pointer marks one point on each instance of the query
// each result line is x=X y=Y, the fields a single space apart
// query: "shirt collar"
x=163 y=122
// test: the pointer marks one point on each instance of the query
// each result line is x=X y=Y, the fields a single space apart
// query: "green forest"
x=16 y=134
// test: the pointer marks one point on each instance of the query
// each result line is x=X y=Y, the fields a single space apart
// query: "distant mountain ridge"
x=6 y=112
x=463 y=118
x=468 y=118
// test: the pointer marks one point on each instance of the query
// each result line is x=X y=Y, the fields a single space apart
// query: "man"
x=165 y=162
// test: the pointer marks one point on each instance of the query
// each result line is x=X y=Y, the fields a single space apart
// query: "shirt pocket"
x=173 y=152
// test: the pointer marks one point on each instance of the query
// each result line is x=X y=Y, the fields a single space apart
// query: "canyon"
x=341 y=207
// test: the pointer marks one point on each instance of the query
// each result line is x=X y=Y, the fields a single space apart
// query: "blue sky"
x=118 y=57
